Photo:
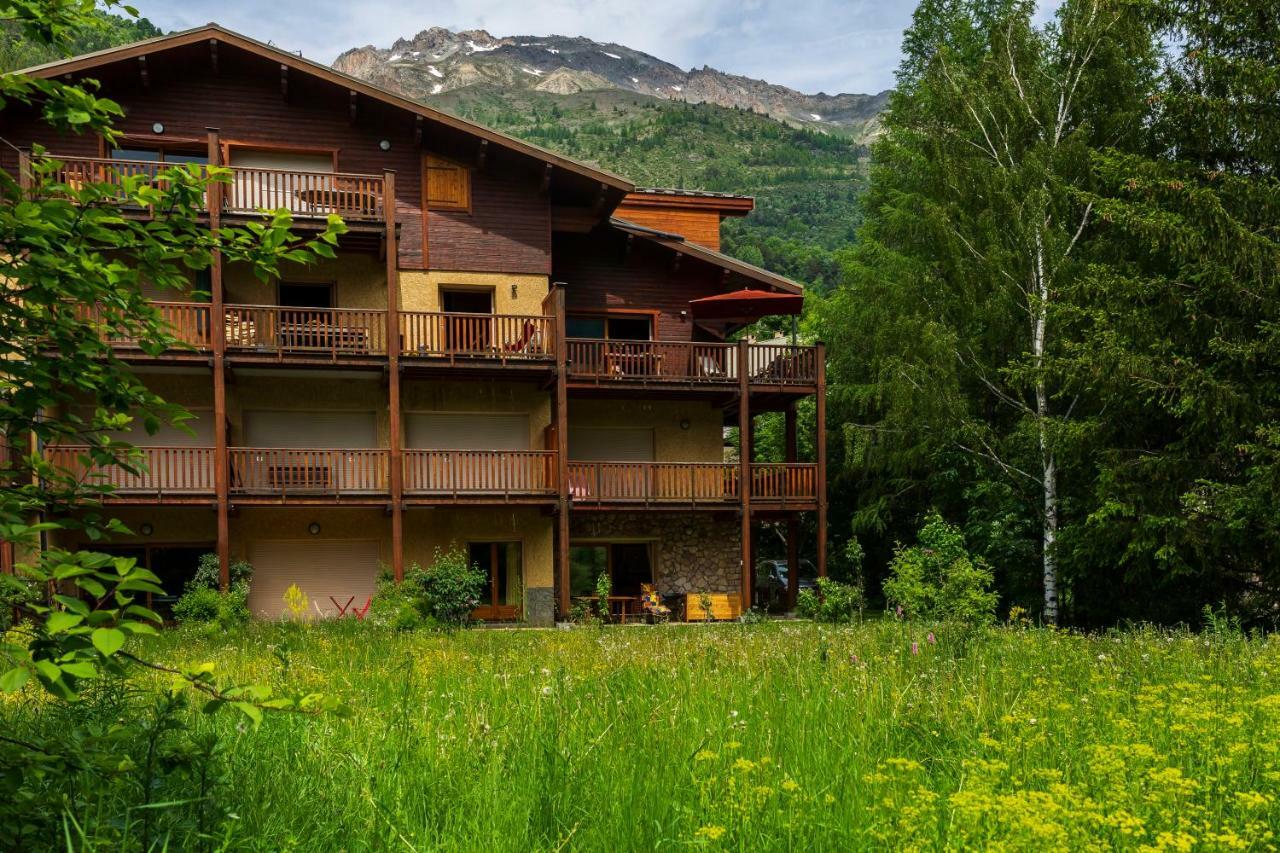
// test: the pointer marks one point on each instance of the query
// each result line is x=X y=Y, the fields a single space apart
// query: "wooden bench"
x=725 y=606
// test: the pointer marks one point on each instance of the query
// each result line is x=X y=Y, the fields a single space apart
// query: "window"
x=627 y=564
x=305 y=295
x=613 y=327
x=161 y=154
x=500 y=562
x=447 y=185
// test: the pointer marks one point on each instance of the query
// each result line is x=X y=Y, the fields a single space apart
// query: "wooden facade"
x=439 y=201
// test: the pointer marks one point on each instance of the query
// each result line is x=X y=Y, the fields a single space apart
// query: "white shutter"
x=321 y=569
x=450 y=431
x=342 y=430
x=610 y=444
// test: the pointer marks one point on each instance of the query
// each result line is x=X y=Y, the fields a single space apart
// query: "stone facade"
x=692 y=551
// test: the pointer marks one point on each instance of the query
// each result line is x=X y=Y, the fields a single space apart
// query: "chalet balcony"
x=356 y=198
x=308 y=475
x=329 y=334
x=163 y=474
x=453 y=338
x=675 y=484
x=460 y=476
x=685 y=363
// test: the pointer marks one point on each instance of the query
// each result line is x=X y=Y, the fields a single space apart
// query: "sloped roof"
x=294 y=61
x=677 y=243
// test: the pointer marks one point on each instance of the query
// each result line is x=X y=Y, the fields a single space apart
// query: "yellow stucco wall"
x=253 y=523
x=420 y=290
x=173 y=525
x=703 y=441
x=308 y=391
x=428 y=529
x=473 y=397
x=359 y=279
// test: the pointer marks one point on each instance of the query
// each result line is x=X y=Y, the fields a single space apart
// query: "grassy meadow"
x=781 y=736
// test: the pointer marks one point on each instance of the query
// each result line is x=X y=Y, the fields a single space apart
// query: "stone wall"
x=692 y=551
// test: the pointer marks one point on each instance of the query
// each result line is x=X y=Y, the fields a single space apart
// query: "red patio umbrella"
x=746 y=305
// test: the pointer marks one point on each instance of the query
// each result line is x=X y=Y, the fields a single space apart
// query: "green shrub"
x=203 y=602
x=938 y=578
x=397 y=605
x=604 y=591
x=451 y=586
x=832 y=601
x=15 y=591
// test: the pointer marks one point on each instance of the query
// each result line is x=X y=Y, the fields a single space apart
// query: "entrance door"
x=500 y=561
x=468 y=324
x=325 y=570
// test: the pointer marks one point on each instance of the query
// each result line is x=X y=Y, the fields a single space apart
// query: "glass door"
x=501 y=564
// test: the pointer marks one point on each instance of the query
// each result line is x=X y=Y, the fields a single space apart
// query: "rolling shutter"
x=201 y=423
x=448 y=185
x=321 y=568
x=342 y=430
x=607 y=444
x=270 y=190
x=440 y=431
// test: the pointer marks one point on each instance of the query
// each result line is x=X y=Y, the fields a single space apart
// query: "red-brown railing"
x=782 y=364
x=335 y=332
x=591 y=358
x=186 y=321
x=306 y=472
x=435 y=334
x=689 y=482
x=351 y=196
x=160 y=470
x=480 y=472
x=783 y=481
x=686 y=361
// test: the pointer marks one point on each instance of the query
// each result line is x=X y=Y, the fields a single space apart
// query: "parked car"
x=771 y=576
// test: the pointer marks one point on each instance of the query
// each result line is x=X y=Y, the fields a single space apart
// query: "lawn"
x=788 y=736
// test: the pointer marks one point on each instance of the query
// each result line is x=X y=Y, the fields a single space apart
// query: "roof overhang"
x=677 y=243
x=215 y=32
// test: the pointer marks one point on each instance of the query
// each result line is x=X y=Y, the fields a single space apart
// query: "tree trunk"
x=1049 y=468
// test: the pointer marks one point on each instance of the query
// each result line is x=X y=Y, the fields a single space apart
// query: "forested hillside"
x=107 y=31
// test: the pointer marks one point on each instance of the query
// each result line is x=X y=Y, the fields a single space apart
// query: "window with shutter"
x=448 y=185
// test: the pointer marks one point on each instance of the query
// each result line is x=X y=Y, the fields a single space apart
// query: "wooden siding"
x=699 y=226
x=508 y=229
x=603 y=275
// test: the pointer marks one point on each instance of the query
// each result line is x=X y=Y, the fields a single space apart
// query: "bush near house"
x=831 y=602
x=938 y=578
x=441 y=595
x=203 y=601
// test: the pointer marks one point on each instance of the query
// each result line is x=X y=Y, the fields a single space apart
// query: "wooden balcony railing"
x=356 y=198
x=284 y=472
x=187 y=321
x=161 y=470
x=645 y=482
x=434 y=334
x=685 y=361
x=773 y=482
x=474 y=472
x=332 y=332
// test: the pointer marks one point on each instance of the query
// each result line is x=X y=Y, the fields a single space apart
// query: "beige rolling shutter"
x=322 y=568
x=441 y=431
x=343 y=430
x=270 y=190
x=201 y=423
x=608 y=444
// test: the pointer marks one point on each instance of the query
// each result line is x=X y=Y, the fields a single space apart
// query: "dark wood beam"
x=142 y=69
x=598 y=208
x=744 y=466
x=546 y=179
x=213 y=55
x=221 y=482
x=675 y=262
x=483 y=154
x=418 y=122
x=395 y=460
x=353 y=105
x=284 y=82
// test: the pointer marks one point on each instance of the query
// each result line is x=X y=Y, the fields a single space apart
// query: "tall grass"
x=786 y=736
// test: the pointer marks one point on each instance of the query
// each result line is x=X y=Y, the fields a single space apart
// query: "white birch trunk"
x=1049 y=468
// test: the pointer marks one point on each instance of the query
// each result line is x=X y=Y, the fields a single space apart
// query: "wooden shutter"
x=448 y=185
x=609 y=444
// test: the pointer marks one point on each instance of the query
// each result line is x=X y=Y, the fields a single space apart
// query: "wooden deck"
x=596 y=362
x=692 y=484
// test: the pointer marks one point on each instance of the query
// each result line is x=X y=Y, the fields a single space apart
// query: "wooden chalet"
x=514 y=352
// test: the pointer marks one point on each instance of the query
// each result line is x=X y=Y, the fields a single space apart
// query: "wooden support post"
x=24 y=172
x=560 y=415
x=820 y=444
x=793 y=523
x=744 y=466
x=218 y=332
x=395 y=457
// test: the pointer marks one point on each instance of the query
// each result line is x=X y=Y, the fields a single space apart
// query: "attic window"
x=448 y=185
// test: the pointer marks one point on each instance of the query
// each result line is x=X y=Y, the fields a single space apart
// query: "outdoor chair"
x=651 y=603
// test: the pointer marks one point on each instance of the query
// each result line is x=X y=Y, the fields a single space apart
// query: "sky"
x=811 y=45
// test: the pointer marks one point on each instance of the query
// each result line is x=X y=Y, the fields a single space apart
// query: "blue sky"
x=810 y=45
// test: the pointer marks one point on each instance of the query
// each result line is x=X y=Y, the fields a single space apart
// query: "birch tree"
x=947 y=332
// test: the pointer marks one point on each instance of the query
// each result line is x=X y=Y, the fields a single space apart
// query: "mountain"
x=438 y=60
